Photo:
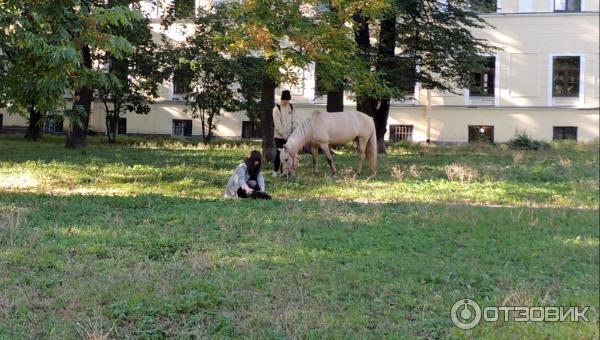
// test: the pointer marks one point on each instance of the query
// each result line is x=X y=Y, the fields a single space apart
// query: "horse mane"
x=301 y=135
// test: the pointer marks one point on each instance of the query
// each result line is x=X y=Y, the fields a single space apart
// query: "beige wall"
x=12 y=120
x=539 y=6
x=451 y=124
x=448 y=124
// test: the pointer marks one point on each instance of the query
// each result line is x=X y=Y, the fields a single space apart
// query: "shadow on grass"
x=159 y=266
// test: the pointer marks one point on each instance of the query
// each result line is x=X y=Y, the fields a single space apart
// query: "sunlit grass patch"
x=136 y=241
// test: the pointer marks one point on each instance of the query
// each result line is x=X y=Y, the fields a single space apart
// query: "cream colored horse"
x=331 y=128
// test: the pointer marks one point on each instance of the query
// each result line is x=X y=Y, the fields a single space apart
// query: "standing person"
x=284 y=119
x=247 y=178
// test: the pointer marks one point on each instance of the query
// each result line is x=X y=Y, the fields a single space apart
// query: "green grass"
x=135 y=240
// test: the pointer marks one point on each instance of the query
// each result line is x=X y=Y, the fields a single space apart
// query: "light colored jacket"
x=239 y=179
x=285 y=121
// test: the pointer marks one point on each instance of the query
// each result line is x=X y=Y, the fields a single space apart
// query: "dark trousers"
x=278 y=144
x=252 y=184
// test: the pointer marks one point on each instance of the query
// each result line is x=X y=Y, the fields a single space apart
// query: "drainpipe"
x=428 y=113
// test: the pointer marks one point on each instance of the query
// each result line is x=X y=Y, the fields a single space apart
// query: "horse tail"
x=371 y=151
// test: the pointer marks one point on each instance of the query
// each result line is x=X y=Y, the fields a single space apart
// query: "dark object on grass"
x=260 y=195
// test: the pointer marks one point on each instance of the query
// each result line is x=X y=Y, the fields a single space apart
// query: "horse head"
x=289 y=161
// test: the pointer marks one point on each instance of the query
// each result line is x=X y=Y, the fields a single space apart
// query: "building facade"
x=543 y=80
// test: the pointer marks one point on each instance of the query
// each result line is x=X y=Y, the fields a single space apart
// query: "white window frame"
x=197 y=4
x=550 y=80
x=467 y=92
x=525 y=4
x=551 y=7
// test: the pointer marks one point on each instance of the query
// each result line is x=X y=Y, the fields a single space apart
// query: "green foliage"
x=522 y=141
x=436 y=37
x=43 y=43
x=213 y=73
x=132 y=81
x=250 y=72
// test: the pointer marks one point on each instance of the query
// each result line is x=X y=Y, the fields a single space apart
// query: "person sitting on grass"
x=247 y=181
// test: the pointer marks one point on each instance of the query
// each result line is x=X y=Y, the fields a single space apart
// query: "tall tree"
x=34 y=62
x=213 y=73
x=434 y=40
x=49 y=48
x=276 y=31
x=92 y=28
x=250 y=80
x=132 y=81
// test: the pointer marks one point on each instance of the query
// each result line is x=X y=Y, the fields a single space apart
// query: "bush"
x=461 y=173
x=522 y=141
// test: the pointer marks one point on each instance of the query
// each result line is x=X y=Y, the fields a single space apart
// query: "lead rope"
x=287 y=202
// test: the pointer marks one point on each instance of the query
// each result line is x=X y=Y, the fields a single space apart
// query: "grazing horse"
x=331 y=128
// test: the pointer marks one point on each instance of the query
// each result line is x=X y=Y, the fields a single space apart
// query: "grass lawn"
x=136 y=241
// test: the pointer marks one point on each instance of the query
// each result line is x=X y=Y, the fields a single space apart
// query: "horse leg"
x=362 y=146
x=325 y=148
x=314 y=149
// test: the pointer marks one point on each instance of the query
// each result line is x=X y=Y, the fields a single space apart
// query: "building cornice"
x=539 y=14
x=411 y=106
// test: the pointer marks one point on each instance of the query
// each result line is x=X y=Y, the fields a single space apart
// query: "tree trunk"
x=386 y=56
x=77 y=137
x=380 y=119
x=335 y=101
x=34 y=129
x=210 y=127
x=112 y=124
x=267 y=103
x=364 y=103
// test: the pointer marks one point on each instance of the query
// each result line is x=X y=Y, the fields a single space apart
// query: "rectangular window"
x=122 y=127
x=483 y=82
x=185 y=8
x=481 y=133
x=567 y=5
x=565 y=132
x=251 y=130
x=319 y=88
x=525 y=6
x=1 y=121
x=182 y=79
x=565 y=76
x=485 y=6
x=182 y=127
x=53 y=124
x=404 y=75
x=401 y=133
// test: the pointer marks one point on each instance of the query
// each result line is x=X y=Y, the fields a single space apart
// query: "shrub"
x=522 y=141
x=461 y=173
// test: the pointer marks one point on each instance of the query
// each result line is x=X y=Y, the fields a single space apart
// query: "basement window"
x=182 y=127
x=401 y=133
x=122 y=127
x=251 y=130
x=481 y=133
x=565 y=132
x=53 y=124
